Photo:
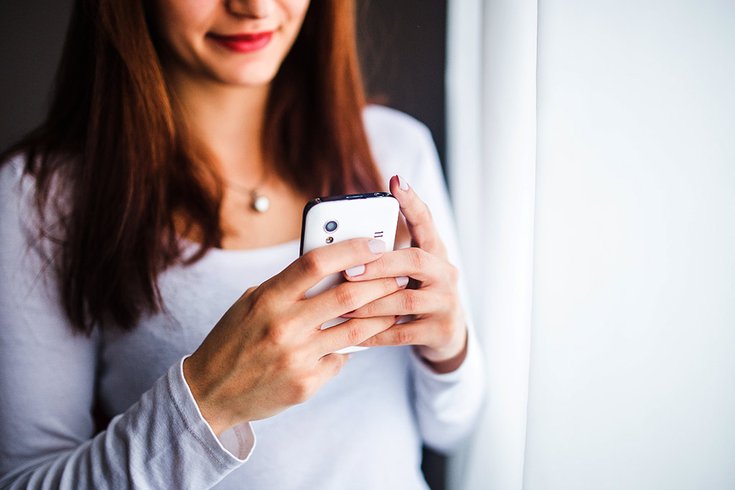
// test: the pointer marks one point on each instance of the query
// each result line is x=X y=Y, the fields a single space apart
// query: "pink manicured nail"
x=402 y=281
x=376 y=246
x=355 y=271
x=402 y=183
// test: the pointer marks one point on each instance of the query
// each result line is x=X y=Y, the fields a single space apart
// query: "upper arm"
x=47 y=372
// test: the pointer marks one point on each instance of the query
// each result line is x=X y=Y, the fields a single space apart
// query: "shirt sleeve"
x=47 y=386
x=447 y=405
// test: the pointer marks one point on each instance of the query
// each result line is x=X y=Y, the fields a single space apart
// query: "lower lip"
x=243 y=44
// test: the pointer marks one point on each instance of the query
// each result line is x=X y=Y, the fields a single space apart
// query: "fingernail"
x=402 y=183
x=355 y=271
x=376 y=246
x=402 y=281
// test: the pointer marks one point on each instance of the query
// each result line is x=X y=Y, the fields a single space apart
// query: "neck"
x=229 y=121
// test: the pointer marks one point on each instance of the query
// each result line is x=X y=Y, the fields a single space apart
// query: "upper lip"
x=243 y=36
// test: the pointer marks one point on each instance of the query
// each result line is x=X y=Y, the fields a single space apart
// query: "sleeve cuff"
x=422 y=369
x=235 y=445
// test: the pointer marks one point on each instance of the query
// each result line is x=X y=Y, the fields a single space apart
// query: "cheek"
x=294 y=13
x=184 y=19
x=295 y=10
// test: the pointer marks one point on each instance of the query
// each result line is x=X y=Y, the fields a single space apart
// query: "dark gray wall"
x=402 y=44
x=31 y=35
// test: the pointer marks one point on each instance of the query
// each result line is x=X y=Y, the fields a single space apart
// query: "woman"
x=171 y=125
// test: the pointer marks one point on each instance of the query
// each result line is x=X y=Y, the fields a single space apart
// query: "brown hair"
x=113 y=136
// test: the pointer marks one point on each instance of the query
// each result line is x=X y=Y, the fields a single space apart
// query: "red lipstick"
x=243 y=43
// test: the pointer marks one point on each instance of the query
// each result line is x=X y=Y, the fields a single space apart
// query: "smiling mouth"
x=243 y=43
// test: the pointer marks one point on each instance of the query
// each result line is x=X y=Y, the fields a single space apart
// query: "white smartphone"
x=333 y=219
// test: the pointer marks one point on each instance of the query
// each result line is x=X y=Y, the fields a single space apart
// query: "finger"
x=352 y=332
x=411 y=262
x=406 y=302
x=418 y=217
x=412 y=333
x=344 y=298
x=331 y=364
x=313 y=266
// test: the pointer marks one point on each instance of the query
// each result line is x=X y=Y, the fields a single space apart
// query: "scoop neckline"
x=258 y=252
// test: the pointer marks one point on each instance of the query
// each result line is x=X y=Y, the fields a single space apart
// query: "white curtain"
x=591 y=154
x=491 y=84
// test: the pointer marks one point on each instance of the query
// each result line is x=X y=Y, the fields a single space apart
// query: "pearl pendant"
x=260 y=203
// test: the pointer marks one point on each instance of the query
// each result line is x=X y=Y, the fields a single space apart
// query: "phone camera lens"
x=330 y=226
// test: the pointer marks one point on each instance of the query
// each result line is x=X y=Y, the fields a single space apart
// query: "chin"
x=248 y=77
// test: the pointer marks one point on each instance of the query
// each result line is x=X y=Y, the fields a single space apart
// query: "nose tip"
x=256 y=9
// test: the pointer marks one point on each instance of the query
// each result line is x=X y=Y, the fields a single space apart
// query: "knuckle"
x=279 y=332
x=380 y=266
x=346 y=296
x=428 y=242
x=313 y=264
x=447 y=300
x=357 y=247
x=449 y=333
x=261 y=297
x=411 y=301
x=418 y=258
x=276 y=335
x=405 y=337
x=354 y=333
x=424 y=212
x=251 y=297
x=453 y=273
x=441 y=248
x=452 y=302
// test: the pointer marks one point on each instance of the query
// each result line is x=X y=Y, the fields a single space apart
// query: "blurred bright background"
x=590 y=152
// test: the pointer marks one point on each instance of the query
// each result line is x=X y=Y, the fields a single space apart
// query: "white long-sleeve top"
x=362 y=430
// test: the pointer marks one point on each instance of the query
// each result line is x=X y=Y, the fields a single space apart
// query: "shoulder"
x=400 y=144
x=20 y=216
x=15 y=190
x=11 y=172
x=387 y=123
x=19 y=186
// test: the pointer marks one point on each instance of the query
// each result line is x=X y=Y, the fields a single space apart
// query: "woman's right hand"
x=268 y=352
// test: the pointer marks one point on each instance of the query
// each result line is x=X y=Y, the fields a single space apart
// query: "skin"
x=267 y=352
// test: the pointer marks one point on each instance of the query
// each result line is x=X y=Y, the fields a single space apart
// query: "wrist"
x=202 y=401
x=443 y=362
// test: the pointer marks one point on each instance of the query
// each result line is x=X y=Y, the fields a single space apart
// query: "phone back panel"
x=374 y=216
x=360 y=216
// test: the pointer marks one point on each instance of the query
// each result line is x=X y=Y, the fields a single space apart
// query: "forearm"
x=448 y=403
x=148 y=446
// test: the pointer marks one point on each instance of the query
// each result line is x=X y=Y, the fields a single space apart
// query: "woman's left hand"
x=437 y=326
